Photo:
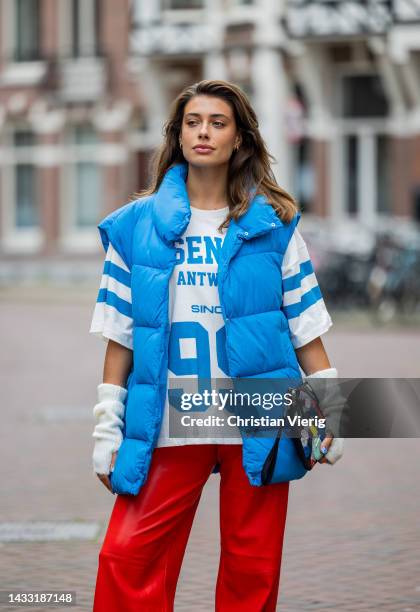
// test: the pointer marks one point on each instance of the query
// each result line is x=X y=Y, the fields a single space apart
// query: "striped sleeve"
x=303 y=303
x=112 y=316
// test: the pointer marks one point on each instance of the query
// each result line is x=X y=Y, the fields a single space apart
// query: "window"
x=304 y=178
x=183 y=4
x=26 y=30
x=87 y=190
x=21 y=219
x=26 y=209
x=81 y=189
x=26 y=212
x=84 y=31
x=87 y=178
x=352 y=155
x=383 y=173
x=364 y=96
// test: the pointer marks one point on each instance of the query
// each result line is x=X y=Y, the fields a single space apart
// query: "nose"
x=203 y=130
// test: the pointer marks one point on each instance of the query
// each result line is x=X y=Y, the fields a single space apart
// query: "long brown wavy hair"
x=249 y=167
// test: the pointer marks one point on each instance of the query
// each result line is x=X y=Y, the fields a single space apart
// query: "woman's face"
x=210 y=122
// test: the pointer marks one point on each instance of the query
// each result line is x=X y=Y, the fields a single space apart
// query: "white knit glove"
x=331 y=402
x=109 y=412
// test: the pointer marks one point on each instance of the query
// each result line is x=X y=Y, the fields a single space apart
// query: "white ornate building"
x=85 y=87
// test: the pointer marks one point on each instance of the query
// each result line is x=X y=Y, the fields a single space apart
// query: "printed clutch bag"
x=305 y=414
x=303 y=417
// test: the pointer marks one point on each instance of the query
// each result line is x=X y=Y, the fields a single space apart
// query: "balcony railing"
x=80 y=79
x=173 y=38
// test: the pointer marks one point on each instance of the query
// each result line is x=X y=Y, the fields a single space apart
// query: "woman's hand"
x=104 y=478
x=326 y=443
x=334 y=449
x=109 y=414
x=313 y=358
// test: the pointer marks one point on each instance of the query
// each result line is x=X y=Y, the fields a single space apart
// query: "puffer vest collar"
x=172 y=212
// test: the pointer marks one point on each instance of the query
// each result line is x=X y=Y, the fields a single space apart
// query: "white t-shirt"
x=196 y=345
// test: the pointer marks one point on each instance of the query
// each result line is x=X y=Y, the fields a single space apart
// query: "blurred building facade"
x=85 y=87
x=66 y=103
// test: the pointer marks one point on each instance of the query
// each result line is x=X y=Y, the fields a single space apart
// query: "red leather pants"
x=141 y=556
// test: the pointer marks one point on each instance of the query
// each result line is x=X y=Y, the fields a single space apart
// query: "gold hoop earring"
x=180 y=144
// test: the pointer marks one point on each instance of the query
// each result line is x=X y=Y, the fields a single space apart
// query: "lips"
x=203 y=147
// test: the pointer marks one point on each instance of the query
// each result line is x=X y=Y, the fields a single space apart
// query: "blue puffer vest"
x=256 y=329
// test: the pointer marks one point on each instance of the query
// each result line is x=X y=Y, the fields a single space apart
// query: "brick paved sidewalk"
x=352 y=537
x=352 y=541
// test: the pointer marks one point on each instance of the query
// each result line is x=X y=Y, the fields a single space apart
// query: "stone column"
x=48 y=170
x=270 y=95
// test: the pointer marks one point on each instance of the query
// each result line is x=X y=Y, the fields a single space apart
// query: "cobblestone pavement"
x=353 y=530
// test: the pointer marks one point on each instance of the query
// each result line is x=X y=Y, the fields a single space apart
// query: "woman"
x=206 y=276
